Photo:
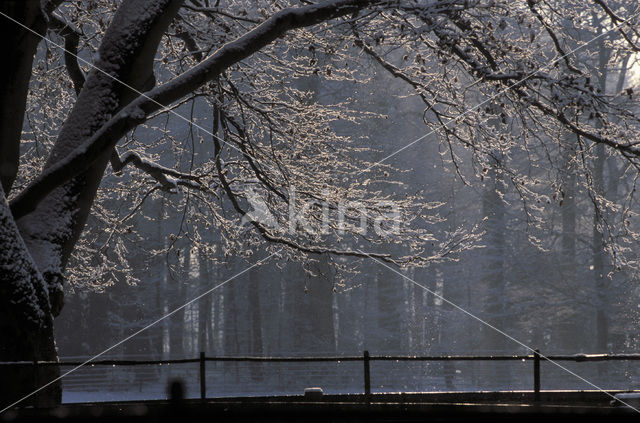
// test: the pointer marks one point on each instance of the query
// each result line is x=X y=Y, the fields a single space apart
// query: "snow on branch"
x=615 y=19
x=159 y=98
x=169 y=179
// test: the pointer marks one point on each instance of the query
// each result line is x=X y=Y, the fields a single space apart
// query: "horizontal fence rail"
x=365 y=358
x=569 y=357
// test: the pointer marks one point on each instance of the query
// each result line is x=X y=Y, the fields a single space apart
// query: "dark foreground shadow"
x=435 y=407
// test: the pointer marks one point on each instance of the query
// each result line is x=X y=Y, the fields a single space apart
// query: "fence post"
x=36 y=380
x=367 y=374
x=203 y=380
x=536 y=375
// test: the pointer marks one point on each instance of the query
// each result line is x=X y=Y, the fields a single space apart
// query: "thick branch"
x=218 y=11
x=189 y=42
x=167 y=178
x=137 y=111
x=71 y=40
x=126 y=55
x=553 y=36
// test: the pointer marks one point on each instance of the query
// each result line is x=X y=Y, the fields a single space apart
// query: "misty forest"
x=288 y=178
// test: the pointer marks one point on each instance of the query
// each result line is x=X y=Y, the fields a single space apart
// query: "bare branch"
x=217 y=11
x=137 y=111
x=615 y=19
x=71 y=40
x=168 y=179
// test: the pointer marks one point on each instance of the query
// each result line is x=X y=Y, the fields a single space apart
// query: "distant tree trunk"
x=255 y=317
x=597 y=247
x=320 y=314
x=157 y=276
x=388 y=312
x=443 y=343
x=601 y=280
x=597 y=242
x=177 y=324
x=230 y=336
x=369 y=310
x=615 y=175
x=494 y=280
x=215 y=340
x=204 y=306
x=290 y=327
x=568 y=322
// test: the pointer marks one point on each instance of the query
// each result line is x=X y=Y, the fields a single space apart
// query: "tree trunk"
x=256 y=346
x=126 y=54
x=566 y=328
x=204 y=305
x=15 y=75
x=597 y=242
x=34 y=251
x=597 y=247
x=177 y=324
x=494 y=280
x=26 y=323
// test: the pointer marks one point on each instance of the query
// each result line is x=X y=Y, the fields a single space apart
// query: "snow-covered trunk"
x=34 y=252
x=126 y=54
x=26 y=323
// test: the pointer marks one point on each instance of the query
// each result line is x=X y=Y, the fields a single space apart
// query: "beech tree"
x=498 y=79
